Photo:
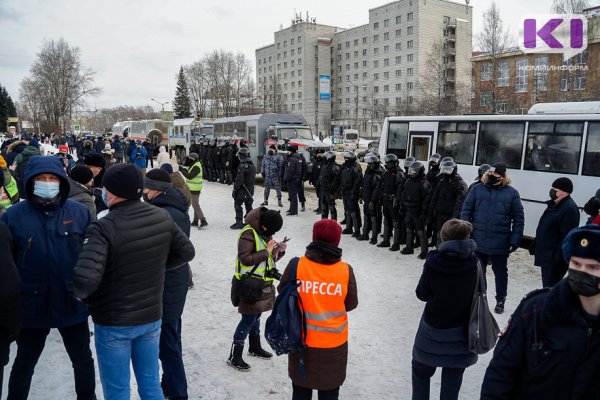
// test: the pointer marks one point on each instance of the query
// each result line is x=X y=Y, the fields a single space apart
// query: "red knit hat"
x=328 y=231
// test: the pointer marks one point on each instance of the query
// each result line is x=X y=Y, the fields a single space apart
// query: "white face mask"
x=46 y=190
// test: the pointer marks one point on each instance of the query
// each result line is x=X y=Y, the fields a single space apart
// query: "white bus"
x=537 y=149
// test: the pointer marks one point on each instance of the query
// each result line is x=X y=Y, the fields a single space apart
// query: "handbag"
x=248 y=288
x=483 y=329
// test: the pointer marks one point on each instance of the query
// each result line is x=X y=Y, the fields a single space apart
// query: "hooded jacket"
x=82 y=194
x=163 y=156
x=48 y=239
x=21 y=161
x=10 y=308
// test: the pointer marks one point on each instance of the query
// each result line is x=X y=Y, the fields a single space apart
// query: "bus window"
x=500 y=142
x=554 y=147
x=251 y=136
x=591 y=160
x=240 y=127
x=457 y=140
x=218 y=128
x=397 y=138
x=229 y=126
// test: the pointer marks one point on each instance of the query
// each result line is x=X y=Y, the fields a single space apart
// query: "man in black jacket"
x=371 y=187
x=243 y=187
x=120 y=274
x=551 y=347
x=329 y=184
x=390 y=180
x=159 y=191
x=294 y=165
x=10 y=307
x=416 y=196
x=351 y=177
x=315 y=173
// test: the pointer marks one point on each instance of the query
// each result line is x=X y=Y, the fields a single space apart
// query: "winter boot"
x=424 y=247
x=386 y=237
x=235 y=358
x=345 y=220
x=409 y=242
x=396 y=244
x=499 y=309
x=256 y=350
x=279 y=203
x=356 y=224
x=348 y=222
x=265 y=203
x=375 y=231
x=303 y=206
x=334 y=214
x=203 y=223
x=194 y=223
x=366 y=230
x=237 y=225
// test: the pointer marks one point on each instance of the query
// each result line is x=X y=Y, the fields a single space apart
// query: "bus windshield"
x=295 y=133
x=351 y=136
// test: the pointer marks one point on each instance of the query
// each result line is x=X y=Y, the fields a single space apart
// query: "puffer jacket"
x=81 y=194
x=120 y=273
x=294 y=167
x=497 y=216
x=138 y=157
x=21 y=161
x=176 y=279
x=448 y=196
x=10 y=310
x=271 y=167
x=48 y=239
x=163 y=156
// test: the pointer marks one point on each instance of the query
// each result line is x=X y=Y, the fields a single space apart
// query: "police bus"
x=185 y=130
x=536 y=148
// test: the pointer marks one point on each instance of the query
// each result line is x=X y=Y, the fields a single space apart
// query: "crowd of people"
x=80 y=242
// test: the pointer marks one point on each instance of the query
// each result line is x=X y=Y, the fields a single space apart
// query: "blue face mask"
x=46 y=190
x=104 y=198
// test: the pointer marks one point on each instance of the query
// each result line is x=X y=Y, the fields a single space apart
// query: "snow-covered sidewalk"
x=382 y=328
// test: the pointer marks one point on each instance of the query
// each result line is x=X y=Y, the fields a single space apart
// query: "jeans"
x=171 y=357
x=4 y=357
x=116 y=347
x=421 y=375
x=198 y=214
x=500 y=268
x=30 y=344
x=301 y=393
x=250 y=324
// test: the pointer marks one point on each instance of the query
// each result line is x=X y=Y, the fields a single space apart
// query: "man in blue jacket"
x=138 y=157
x=48 y=231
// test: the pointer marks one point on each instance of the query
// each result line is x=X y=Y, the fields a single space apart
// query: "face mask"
x=493 y=179
x=46 y=190
x=583 y=283
x=553 y=194
x=104 y=200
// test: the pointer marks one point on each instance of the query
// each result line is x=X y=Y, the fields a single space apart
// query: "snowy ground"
x=382 y=328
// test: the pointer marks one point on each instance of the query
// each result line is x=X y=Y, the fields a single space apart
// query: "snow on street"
x=382 y=328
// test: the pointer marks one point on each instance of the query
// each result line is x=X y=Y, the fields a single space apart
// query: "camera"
x=273 y=273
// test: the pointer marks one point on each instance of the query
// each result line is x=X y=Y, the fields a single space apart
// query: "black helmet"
x=292 y=148
x=391 y=161
x=243 y=153
x=371 y=158
x=408 y=162
x=483 y=168
x=447 y=159
x=329 y=155
x=194 y=156
x=448 y=168
x=349 y=155
x=416 y=169
x=319 y=150
x=435 y=158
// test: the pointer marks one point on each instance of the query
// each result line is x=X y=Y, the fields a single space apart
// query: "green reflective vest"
x=10 y=191
x=195 y=184
x=261 y=244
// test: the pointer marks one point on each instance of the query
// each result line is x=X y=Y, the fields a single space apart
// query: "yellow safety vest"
x=264 y=266
x=10 y=190
x=195 y=184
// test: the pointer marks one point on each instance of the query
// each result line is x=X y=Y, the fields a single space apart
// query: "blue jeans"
x=250 y=324
x=171 y=358
x=500 y=268
x=116 y=347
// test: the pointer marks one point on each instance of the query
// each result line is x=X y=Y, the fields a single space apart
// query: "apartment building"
x=377 y=69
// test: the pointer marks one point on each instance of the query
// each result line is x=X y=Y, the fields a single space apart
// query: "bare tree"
x=242 y=71
x=493 y=40
x=195 y=74
x=569 y=6
x=61 y=82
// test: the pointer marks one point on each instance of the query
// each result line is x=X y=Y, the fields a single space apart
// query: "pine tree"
x=3 y=108
x=182 y=104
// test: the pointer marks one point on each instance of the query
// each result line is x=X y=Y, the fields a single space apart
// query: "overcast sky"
x=137 y=46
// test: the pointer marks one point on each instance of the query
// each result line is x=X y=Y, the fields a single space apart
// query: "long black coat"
x=176 y=279
x=564 y=362
x=246 y=176
x=556 y=221
x=10 y=304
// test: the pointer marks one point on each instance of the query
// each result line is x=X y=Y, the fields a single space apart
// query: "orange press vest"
x=323 y=291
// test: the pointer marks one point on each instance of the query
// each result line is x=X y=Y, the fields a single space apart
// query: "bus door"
x=420 y=145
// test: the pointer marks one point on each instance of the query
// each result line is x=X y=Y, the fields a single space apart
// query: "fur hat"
x=583 y=242
x=328 y=231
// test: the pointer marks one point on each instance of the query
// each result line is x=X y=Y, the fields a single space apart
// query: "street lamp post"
x=161 y=104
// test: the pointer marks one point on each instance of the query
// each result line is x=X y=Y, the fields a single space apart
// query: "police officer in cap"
x=390 y=180
x=293 y=177
x=551 y=347
x=315 y=174
x=370 y=197
x=351 y=177
x=243 y=187
x=329 y=182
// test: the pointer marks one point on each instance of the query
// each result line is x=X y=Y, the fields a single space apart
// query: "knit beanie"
x=157 y=179
x=167 y=167
x=94 y=160
x=456 y=229
x=271 y=220
x=82 y=174
x=563 y=183
x=500 y=168
x=2 y=163
x=124 y=180
x=328 y=231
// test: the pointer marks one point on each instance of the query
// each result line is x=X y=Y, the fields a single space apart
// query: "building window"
x=375 y=25
x=409 y=71
x=376 y=64
x=386 y=23
x=364 y=64
x=541 y=73
x=398 y=19
x=278 y=46
x=398 y=73
x=376 y=51
x=386 y=36
x=386 y=62
x=291 y=42
x=521 y=76
x=386 y=75
x=398 y=101
x=355 y=42
x=503 y=74
x=355 y=77
x=386 y=88
x=485 y=72
x=364 y=75
x=386 y=49
x=501 y=106
x=299 y=39
x=398 y=46
x=398 y=32
x=398 y=59
x=364 y=40
x=485 y=99
x=409 y=16
x=299 y=51
x=347 y=67
x=356 y=54
x=564 y=84
x=398 y=87
x=356 y=65
x=339 y=46
x=409 y=44
x=375 y=38
x=347 y=44
x=285 y=64
x=285 y=43
x=292 y=52
x=376 y=89
x=409 y=30
x=580 y=82
x=376 y=76
x=347 y=56
x=409 y=86
x=409 y=58
x=581 y=58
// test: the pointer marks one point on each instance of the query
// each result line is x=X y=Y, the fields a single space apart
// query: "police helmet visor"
x=447 y=168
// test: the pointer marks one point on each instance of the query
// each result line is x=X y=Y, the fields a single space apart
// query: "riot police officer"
x=351 y=177
x=294 y=166
x=315 y=173
x=390 y=180
x=416 y=196
x=218 y=162
x=329 y=184
x=432 y=178
x=482 y=170
x=370 y=197
x=400 y=232
x=243 y=187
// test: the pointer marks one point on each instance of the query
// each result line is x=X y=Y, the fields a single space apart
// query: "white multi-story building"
x=376 y=69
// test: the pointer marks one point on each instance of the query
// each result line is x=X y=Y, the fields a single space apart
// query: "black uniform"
x=371 y=190
x=351 y=178
x=433 y=177
x=243 y=190
x=314 y=178
x=390 y=181
x=416 y=196
x=294 y=164
x=329 y=185
x=218 y=164
x=301 y=196
x=228 y=157
x=447 y=200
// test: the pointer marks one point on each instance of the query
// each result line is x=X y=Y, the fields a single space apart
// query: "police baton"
x=248 y=192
